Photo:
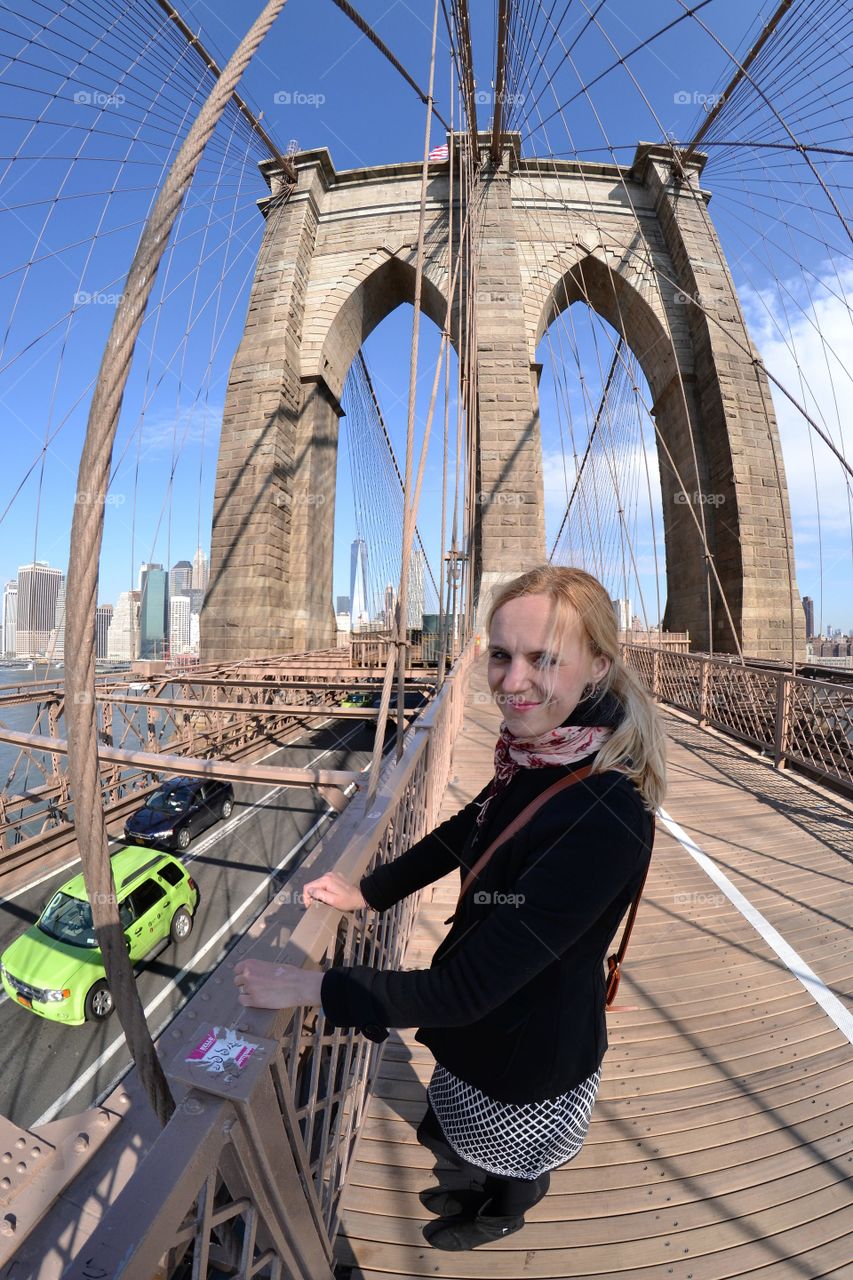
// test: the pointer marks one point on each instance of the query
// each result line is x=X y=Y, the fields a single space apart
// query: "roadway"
x=50 y=1070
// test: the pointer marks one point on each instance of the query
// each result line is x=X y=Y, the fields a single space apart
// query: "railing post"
x=783 y=721
x=655 y=673
x=704 y=677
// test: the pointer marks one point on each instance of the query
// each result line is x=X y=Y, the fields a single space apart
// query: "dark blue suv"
x=179 y=810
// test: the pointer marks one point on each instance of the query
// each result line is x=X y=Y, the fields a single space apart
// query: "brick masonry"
x=339 y=256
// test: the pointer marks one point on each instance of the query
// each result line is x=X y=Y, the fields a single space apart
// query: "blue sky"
x=320 y=83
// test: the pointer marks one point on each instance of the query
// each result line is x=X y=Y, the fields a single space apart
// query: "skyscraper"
x=124 y=628
x=10 y=618
x=154 y=612
x=358 y=583
x=179 y=625
x=103 y=618
x=201 y=571
x=415 y=590
x=343 y=605
x=808 y=609
x=56 y=644
x=624 y=613
x=390 y=602
x=38 y=587
x=180 y=578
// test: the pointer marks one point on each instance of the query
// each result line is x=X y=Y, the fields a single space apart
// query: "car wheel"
x=182 y=925
x=227 y=809
x=184 y=838
x=99 y=1003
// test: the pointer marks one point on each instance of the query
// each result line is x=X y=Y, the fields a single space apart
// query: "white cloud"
x=196 y=424
x=803 y=341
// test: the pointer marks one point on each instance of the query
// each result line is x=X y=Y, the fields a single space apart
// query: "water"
x=21 y=719
x=20 y=774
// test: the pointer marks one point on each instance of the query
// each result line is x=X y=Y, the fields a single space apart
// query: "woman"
x=513 y=1004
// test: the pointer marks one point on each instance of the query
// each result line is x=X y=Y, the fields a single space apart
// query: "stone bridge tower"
x=338 y=256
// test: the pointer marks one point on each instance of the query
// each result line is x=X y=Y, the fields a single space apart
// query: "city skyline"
x=32 y=621
x=163 y=618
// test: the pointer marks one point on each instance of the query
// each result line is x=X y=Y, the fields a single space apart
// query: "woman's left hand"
x=276 y=986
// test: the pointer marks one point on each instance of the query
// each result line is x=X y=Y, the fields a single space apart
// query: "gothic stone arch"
x=339 y=255
x=336 y=258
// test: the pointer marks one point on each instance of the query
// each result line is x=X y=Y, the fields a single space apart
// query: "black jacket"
x=513 y=1001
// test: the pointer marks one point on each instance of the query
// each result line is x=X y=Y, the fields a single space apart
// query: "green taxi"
x=55 y=968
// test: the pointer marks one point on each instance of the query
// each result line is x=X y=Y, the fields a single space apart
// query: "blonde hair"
x=637 y=746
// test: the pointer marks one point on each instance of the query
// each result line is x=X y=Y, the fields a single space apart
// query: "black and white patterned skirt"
x=516 y=1140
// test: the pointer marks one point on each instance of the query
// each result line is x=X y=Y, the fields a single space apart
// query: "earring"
x=589 y=691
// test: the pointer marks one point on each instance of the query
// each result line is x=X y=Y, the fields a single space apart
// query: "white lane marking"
x=92 y=1070
x=793 y=961
x=64 y=1098
x=34 y=884
x=200 y=849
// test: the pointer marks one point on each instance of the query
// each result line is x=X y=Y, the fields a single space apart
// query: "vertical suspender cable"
x=86 y=537
x=408 y=507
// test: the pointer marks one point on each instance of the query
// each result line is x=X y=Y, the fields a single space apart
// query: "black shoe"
x=462 y=1231
x=447 y=1201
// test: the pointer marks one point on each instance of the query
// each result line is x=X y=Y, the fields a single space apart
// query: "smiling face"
x=535 y=683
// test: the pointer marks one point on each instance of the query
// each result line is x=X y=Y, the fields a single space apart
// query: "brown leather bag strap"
x=614 y=961
x=517 y=823
x=632 y=914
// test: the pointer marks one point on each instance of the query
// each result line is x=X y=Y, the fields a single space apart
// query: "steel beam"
x=192 y=767
x=500 y=81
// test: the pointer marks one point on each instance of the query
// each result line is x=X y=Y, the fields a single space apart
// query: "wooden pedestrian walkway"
x=721 y=1144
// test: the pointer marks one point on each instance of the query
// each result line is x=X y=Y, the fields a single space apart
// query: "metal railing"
x=791 y=719
x=220 y=713
x=251 y=1168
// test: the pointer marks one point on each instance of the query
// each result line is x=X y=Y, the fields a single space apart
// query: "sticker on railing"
x=222 y=1048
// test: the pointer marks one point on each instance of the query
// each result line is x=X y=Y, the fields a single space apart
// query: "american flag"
x=439 y=153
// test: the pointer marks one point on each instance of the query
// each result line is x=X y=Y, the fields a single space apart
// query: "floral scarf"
x=563 y=745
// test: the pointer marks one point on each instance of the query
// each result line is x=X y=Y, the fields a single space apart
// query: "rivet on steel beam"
x=5 y=1184
x=81 y=1142
x=21 y=1167
x=7 y=1156
x=21 y=1143
x=192 y=1106
x=35 y=1152
x=103 y=1118
x=9 y=1224
x=124 y=1099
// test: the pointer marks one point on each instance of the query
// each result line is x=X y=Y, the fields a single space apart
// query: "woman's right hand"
x=334 y=890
